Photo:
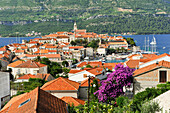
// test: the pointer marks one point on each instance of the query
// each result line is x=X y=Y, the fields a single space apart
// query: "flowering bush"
x=112 y=87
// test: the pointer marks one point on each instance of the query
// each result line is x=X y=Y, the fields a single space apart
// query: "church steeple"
x=75 y=26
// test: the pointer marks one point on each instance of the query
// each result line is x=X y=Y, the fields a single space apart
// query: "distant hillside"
x=97 y=15
x=45 y=9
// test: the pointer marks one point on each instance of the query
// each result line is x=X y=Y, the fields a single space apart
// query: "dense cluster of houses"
x=150 y=70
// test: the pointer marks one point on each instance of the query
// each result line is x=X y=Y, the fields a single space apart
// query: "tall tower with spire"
x=75 y=26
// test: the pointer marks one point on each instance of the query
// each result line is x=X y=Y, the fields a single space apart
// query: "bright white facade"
x=33 y=71
x=80 y=76
x=101 y=51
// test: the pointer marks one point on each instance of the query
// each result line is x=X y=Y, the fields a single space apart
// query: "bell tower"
x=75 y=26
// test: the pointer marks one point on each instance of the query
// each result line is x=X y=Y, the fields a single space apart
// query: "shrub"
x=121 y=100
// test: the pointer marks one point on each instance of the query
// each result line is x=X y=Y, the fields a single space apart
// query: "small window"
x=84 y=75
x=162 y=76
x=24 y=102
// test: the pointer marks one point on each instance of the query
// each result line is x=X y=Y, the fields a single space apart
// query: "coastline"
x=21 y=37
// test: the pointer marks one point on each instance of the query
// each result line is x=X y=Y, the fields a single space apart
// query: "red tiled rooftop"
x=82 y=64
x=41 y=51
x=45 y=77
x=111 y=64
x=76 y=47
x=160 y=56
x=16 y=63
x=40 y=102
x=19 y=51
x=2 y=49
x=61 y=84
x=27 y=76
x=30 y=64
x=96 y=71
x=133 y=63
x=151 y=67
x=75 y=71
x=72 y=100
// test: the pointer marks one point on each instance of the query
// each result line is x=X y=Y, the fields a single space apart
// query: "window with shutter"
x=162 y=76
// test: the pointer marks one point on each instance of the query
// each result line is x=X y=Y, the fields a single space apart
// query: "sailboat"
x=153 y=45
x=147 y=46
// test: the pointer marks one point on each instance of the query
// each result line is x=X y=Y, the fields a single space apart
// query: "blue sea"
x=163 y=41
x=9 y=40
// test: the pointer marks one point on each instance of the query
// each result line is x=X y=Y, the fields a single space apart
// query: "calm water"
x=163 y=41
x=6 y=41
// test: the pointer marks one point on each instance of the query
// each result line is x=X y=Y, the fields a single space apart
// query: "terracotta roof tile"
x=149 y=56
x=2 y=49
x=93 y=64
x=16 y=63
x=111 y=64
x=82 y=64
x=61 y=84
x=39 y=101
x=27 y=76
x=76 y=47
x=19 y=51
x=75 y=71
x=44 y=76
x=72 y=100
x=41 y=51
x=33 y=42
x=132 y=63
x=30 y=64
x=151 y=67
x=160 y=56
x=96 y=71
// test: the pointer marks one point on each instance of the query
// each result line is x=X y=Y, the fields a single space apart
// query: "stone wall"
x=149 y=79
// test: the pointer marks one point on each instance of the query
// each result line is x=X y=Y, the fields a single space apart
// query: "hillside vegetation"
x=90 y=14
x=39 y=9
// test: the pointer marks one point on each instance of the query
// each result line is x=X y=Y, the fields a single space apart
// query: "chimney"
x=157 y=62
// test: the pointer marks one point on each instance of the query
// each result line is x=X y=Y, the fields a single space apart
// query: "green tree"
x=150 y=107
x=55 y=68
x=65 y=63
x=38 y=59
x=110 y=51
x=66 y=70
x=94 y=44
x=88 y=66
x=73 y=43
x=75 y=61
x=122 y=49
x=45 y=61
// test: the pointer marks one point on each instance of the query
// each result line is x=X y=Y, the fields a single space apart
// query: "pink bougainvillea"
x=112 y=87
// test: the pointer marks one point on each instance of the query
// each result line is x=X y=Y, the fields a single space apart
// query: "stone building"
x=151 y=76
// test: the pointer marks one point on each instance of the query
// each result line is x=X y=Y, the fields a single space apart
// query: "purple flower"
x=113 y=85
